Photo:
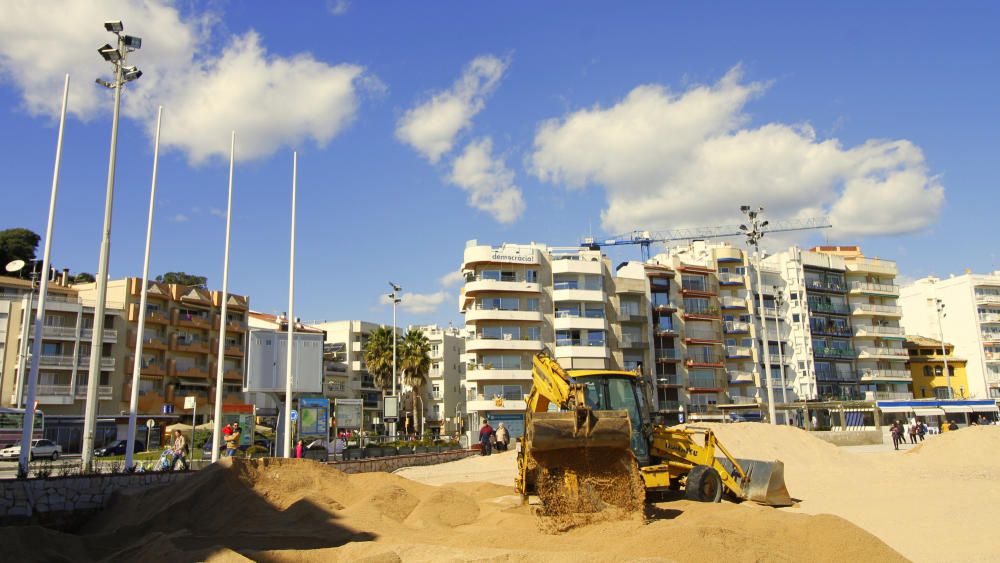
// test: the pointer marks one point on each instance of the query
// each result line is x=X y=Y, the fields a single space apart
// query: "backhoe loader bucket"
x=766 y=482
x=583 y=428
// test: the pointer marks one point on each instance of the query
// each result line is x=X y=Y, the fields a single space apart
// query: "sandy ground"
x=932 y=503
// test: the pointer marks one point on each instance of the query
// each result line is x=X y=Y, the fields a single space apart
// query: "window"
x=534 y=333
x=795 y=317
x=567 y=338
x=531 y=276
x=532 y=304
x=630 y=307
x=502 y=361
x=927 y=371
x=595 y=338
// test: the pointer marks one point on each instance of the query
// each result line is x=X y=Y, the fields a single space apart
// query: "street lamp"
x=754 y=233
x=939 y=305
x=396 y=298
x=117 y=56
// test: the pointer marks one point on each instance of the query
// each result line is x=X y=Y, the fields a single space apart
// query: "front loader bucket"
x=766 y=482
x=580 y=429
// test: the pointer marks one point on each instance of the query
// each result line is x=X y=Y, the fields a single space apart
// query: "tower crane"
x=646 y=238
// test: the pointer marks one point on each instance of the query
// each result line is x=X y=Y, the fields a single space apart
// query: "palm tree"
x=415 y=362
x=378 y=357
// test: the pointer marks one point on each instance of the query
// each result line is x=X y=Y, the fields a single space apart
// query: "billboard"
x=267 y=360
x=314 y=417
x=348 y=413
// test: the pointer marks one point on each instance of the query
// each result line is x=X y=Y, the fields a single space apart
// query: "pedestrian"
x=299 y=447
x=233 y=440
x=503 y=437
x=913 y=433
x=485 y=436
x=952 y=426
x=897 y=434
x=921 y=430
x=180 y=451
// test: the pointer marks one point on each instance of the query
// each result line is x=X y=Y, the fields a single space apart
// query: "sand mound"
x=976 y=444
x=446 y=507
x=32 y=543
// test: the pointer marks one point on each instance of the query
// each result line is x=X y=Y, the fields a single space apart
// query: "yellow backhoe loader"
x=589 y=443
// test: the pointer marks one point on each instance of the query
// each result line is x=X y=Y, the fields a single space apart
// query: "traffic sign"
x=150 y=423
x=295 y=415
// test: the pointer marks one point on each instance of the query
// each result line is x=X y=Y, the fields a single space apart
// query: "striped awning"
x=928 y=412
x=985 y=408
x=895 y=409
x=956 y=408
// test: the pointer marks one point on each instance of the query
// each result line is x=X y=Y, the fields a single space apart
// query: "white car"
x=39 y=449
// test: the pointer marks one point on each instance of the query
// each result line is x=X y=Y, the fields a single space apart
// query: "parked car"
x=118 y=448
x=39 y=449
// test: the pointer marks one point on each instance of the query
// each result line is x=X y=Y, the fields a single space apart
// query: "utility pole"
x=939 y=305
x=754 y=233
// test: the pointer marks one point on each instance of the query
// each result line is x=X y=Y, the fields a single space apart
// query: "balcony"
x=485 y=314
x=989 y=318
x=704 y=360
x=669 y=380
x=871 y=265
x=562 y=292
x=831 y=286
x=698 y=289
x=55 y=361
x=153 y=316
x=65 y=332
x=888 y=395
x=729 y=278
x=882 y=310
x=233 y=374
x=634 y=343
x=667 y=354
x=669 y=405
x=738 y=377
x=736 y=327
x=878 y=331
x=882 y=352
x=836 y=353
x=733 y=302
x=193 y=346
x=830 y=329
x=704 y=383
x=578 y=348
x=481 y=373
x=481 y=285
x=741 y=400
x=234 y=350
x=110 y=335
x=155 y=367
x=866 y=288
x=833 y=308
x=665 y=330
x=568 y=321
x=662 y=306
x=987 y=298
x=194 y=371
x=632 y=317
x=739 y=352
x=873 y=375
x=834 y=376
x=702 y=313
x=990 y=336
x=104 y=392
x=235 y=325
x=482 y=343
x=106 y=363
x=189 y=320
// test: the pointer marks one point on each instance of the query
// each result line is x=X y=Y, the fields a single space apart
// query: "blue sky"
x=422 y=125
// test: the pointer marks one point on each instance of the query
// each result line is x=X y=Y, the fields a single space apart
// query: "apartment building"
x=443 y=398
x=927 y=361
x=970 y=318
x=180 y=344
x=520 y=299
x=344 y=372
x=65 y=350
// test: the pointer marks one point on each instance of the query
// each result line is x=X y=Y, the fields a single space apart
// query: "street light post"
x=939 y=305
x=396 y=298
x=754 y=233
x=117 y=56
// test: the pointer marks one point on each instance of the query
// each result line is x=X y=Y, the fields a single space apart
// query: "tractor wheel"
x=703 y=484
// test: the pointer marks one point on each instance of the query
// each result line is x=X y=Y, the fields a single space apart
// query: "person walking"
x=485 y=436
x=299 y=447
x=897 y=434
x=913 y=432
x=503 y=437
x=180 y=451
x=921 y=430
x=233 y=440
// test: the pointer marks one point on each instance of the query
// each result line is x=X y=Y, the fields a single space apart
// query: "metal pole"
x=217 y=425
x=290 y=355
x=766 y=345
x=141 y=327
x=97 y=340
x=36 y=346
x=944 y=351
x=394 y=357
x=194 y=422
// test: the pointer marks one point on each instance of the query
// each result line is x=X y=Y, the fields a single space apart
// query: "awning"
x=895 y=409
x=956 y=408
x=928 y=412
x=985 y=408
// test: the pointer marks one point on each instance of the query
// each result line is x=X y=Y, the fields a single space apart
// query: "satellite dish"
x=14 y=265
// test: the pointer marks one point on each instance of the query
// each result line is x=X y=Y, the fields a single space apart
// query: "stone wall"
x=852 y=438
x=392 y=463
x=56 y=502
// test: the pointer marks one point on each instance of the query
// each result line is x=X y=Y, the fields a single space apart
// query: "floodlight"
x=105 y=83
x=132 y=41
x=114 y=26
x=109 y=53
x=764 y=224
x=395 y=287
x=131 y=73
x=743 y=227
x=744 y=208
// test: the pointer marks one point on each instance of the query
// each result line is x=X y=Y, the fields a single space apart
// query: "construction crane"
x=646 y=238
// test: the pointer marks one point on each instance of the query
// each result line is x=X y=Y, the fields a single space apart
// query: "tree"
x=17 y=244
x=84 y=277
x=183 y=279
x=378 y=357
x=415 y=362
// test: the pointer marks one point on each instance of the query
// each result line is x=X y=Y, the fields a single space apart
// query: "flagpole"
x=217 y=426
x=290 y=354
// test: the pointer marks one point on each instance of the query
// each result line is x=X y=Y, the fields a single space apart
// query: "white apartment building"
x=345 y=375
x=443 y=398
x=970 y=319
x=520 y=299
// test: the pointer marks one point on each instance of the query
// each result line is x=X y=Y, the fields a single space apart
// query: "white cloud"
x=488 y=181
x=337 y=7
x=432 y=126
x=418 y=303
x=217 y=212
x=669 y=160
x=271 y=101
x=179 y=218
x=452 y=278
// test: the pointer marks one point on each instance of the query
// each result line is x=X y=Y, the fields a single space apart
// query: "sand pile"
x=975 y=444
x=298 y=510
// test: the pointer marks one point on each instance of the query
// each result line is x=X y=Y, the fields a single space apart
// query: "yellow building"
x=926 y=366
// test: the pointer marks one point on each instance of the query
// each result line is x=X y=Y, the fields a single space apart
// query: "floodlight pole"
x=97 y=338
x=141 y=326
x=395 y=299
x=36 y=345
x=220 y=368
x=290 y=353
x=939 y=305
x=754 y=233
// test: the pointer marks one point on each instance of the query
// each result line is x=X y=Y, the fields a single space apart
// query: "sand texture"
x=851 y=507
